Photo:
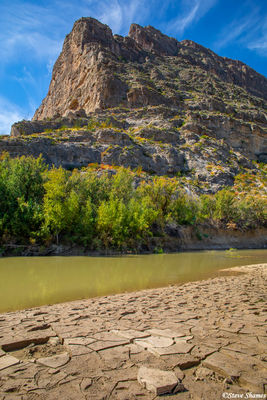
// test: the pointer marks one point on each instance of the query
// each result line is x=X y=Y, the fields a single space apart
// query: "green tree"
x=56 y=202
x=68 y=209
x=161 y=193
x=122 y=185
x=120 y=223
x=225 y=205
x=21 y=194
x=184 y=210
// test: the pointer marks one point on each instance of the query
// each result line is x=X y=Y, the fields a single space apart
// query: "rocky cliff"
x=147 y=100
x=97 y=70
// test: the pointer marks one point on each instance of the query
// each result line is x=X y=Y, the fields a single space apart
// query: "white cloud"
x=27 y=32
x=189 y=18
x=192 y=12
x=38 y=43
x=248 y=30
x=31 y=87
x=37 y=32
x=9 y=113
x=236 y=30
x=119 y=15
x=259 y=43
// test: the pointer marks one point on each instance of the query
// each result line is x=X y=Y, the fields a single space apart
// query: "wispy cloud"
x=32 y=33
x=236 y=30
x=192 y=11
x=9 y=113
x=119 y=15
x=35 y=44
x=248 y=29
x=31 y=37
x=38 y=31
x=31 y=87
x=259 y=43
x=28 y=33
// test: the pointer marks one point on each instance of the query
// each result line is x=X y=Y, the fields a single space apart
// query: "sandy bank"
x=211 y=334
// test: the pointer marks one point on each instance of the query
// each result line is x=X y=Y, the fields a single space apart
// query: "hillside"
x=162 y=144
x=147 y=101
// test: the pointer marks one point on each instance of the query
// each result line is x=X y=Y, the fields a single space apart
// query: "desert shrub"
x=161 y=193
x=122 y=185
x=56 y=202
x=245 y=211
x=119 y=210
x=121 y=223
x=225 y=205
x=184 y=210
x=21 y=194
x=251 y=212
x=90 y=185
x=207 y=205
x=68 y=209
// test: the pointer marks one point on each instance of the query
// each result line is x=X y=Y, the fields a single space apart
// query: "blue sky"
x=32 y=33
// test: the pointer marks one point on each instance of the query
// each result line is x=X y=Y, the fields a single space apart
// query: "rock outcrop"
x=95 y=69
x=147 y=100
x=153 y=41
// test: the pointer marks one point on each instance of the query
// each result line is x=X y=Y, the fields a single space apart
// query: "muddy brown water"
x=30 y=282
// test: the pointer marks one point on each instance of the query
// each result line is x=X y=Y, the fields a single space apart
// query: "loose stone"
x=154 y=342
x=157 y=381
x=8 y=361
x=222 y=364
x=55 y=361
x=178 y=348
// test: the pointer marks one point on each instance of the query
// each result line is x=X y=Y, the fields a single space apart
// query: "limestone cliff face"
x=153 y=41
x=97 y=70
x=83 y=75
x=147 y=100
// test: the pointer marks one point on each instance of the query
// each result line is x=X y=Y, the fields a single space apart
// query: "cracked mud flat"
x=210 y=334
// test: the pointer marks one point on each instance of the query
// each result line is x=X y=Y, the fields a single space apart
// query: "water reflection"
x=28 y=282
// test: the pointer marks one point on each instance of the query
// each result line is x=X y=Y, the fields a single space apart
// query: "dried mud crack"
x=195 y=341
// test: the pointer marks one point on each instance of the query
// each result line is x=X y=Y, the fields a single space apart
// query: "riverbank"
x=54 y=211
x=185 y=239
x=211 y=334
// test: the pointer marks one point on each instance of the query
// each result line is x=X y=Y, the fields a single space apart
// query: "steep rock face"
x=153 y=41
x=208 y=148
x=97 y=70
x=231 y=71
x=147 y=100
x=83 y=74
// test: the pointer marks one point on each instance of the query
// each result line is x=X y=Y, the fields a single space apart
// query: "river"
x=27 y=282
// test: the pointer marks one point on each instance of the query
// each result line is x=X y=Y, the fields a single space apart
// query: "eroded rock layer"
x=147 y=100
x=97 y=70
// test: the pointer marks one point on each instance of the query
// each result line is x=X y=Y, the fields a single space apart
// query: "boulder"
x=158 y=381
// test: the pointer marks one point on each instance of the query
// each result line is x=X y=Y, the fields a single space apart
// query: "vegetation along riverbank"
x=149 y=144
x=104 y=208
